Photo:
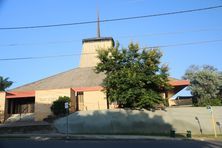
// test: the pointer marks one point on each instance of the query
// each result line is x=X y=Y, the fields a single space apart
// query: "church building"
x=81 y=84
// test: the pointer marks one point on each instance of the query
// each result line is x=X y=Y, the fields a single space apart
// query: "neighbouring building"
x=81 y=84
x=181 y=101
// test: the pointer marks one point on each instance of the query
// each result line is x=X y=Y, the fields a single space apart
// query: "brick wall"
x=2 y=105
x=44 y=100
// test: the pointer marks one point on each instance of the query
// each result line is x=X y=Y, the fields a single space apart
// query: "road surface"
x=47 y=143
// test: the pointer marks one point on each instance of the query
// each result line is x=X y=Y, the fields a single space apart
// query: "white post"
x=213 y=121
x=67 y=121
x=214 y=126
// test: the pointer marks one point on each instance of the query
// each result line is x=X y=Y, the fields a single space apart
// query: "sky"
x=201 y=27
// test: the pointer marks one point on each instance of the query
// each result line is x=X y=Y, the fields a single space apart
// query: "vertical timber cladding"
x=73 y=103
x=2 y=105
x=44 y=100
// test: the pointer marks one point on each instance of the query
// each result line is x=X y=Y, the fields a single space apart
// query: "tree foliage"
x=206 y=84
x=4 y=83
x=58 y=106
x=134 y=76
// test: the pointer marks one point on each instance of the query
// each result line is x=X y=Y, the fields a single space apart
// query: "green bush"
x=211 y=102
x=58 y=106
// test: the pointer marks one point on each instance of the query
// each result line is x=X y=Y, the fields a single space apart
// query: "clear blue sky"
x=189 y=27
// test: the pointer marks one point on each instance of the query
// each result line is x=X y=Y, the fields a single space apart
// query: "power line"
x=186 y=44
x=38 y=43
x=42 y=57
x=38 y=57
x=111 y=20
x=123 y=36
x=171 y=33
x=77 y=54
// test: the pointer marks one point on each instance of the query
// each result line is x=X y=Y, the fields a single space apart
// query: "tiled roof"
x=179 y=82
x=74 y=78
x=20 y=94
x=77 y=78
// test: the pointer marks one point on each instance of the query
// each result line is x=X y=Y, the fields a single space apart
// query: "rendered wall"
x=173 y=102
x=94 y=100
x=121 y=121
x=2 y=105
x=44 y=100
x=170 y=94
x=87 y=58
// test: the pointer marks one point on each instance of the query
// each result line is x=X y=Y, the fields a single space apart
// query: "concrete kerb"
x=85 y=137
x=43 y=137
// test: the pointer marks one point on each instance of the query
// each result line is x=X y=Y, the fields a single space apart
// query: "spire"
x=98 y=25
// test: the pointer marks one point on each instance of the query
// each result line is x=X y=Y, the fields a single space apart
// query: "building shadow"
x=117 y=121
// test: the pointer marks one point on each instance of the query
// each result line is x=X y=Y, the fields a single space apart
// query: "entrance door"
x=80 y=100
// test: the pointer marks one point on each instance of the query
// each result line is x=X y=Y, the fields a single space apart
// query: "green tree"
x=206 y=84
x=4 y=83
x=58 y=106
x=134 y=76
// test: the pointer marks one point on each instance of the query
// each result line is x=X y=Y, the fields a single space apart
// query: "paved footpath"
x=37 y=139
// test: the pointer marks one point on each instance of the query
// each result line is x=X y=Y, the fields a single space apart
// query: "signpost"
x=67 y=123
x=209 y=108
x=66 y=105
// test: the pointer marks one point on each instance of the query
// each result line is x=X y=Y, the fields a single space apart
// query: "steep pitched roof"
x=78 y=77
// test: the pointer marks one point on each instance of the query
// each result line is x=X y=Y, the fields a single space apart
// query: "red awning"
x=95 y=88
x=23 y=94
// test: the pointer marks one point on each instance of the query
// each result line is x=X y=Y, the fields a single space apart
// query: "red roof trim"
x=22 y=94
x=95 y=88
x=179 y=83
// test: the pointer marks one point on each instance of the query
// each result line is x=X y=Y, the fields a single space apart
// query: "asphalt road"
x=46 y=143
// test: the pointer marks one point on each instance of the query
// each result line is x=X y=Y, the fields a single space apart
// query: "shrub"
x=58 y=106
x=211 y=102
